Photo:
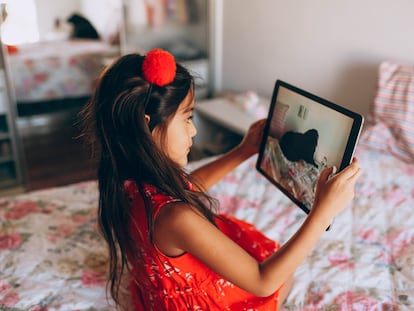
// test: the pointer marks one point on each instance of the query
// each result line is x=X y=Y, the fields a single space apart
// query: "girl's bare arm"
x=179 y=229
x=212 y=172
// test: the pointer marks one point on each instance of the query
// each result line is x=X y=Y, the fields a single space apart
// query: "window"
x=20 y=23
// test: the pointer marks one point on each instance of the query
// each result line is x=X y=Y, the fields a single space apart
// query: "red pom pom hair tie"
x=159 y=68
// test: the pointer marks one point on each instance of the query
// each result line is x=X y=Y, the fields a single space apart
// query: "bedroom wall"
x=331 y=48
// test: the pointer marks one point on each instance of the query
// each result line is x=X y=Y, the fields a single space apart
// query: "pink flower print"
x=8 y=297
x=38 y=308
x=385 y=257
x=231 y=178
x=399 y=242
x=409 y=170
x=40 y=77
x=389 y=306
x=66 y=230
x=314 y=298
x=10 y=241
x=92 y=278
x=62 y=231
x=95 y=226
x=5 y=287
x=48 y=209
x=81 y=218
x=53 y=62
x=22 y=209
x=29 y=63
x=315 y=295
x=73 y=61
x=340 y=261
x=229 y=204
x=369 y=236
x=51 y=94
x=9 y=300
x=395 y=196
x=355 y=301
x=53 y=238
x=365 y=188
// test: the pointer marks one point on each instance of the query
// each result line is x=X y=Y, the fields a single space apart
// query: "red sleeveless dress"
x=184 y=282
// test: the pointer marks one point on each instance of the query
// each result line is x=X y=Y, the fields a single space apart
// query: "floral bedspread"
x=53 y=258
x=57 y=69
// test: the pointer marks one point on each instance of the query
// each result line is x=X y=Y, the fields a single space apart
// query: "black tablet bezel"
x=352 y=141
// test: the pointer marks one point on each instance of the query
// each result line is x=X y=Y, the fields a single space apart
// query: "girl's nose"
x=193 y=130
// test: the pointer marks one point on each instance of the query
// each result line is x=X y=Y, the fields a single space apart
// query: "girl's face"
x=180 y=132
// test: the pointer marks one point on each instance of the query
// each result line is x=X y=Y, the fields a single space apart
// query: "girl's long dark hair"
x=114 y=122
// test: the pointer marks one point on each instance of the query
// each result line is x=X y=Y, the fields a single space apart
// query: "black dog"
x=82 y=28
x=297 y=146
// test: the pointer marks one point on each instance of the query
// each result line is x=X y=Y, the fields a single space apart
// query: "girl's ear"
x=147 y=118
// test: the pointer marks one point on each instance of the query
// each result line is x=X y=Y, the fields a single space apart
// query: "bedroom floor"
x=53 y=156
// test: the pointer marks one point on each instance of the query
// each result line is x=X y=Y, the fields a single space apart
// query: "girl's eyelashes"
x=190 y=118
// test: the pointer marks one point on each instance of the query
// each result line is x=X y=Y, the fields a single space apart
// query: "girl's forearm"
x=281 y=265
x=212 y=172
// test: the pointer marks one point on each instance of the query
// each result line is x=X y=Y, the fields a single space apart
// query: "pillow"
x=392 y=112
x=378 y=136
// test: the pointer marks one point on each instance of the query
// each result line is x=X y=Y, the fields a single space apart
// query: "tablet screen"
x=305 y=134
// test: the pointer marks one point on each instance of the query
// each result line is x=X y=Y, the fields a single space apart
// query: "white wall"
x=330 y=48
x=105 y=15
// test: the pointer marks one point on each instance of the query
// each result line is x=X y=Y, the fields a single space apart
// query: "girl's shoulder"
x=155 y=195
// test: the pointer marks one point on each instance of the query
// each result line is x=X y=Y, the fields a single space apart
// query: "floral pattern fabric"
x=58 y=69
x=53 y=258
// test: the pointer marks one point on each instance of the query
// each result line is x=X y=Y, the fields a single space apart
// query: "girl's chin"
x=185 y=162
x=182 y=162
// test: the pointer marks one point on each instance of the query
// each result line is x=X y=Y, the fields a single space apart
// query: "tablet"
x=305 y=134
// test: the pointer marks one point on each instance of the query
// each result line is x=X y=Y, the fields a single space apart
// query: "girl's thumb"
x=327 y=173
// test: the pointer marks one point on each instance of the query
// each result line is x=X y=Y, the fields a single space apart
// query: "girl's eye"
x=190 y=118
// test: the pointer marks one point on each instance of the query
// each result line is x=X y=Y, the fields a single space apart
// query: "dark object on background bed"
x=297 y=146
x=82 y=28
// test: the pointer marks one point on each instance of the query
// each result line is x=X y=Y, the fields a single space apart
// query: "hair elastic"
x=159 y=68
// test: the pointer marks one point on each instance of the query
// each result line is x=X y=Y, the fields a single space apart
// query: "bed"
x=54 y=70
x=52 y=257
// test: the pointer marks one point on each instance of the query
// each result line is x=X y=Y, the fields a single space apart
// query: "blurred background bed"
x=53 y=54
x=58 y=70
x=57 y=51
x=50 y=64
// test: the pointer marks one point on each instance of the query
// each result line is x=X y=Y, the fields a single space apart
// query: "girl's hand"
x=335 y=193
x=210 y=173
x=252 y=139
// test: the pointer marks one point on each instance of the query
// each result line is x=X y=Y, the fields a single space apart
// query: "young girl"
x=158 y=220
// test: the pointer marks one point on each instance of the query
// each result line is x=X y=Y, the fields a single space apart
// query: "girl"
x=158 y=220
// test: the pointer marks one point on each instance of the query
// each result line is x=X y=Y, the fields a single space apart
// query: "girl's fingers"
x=325 y=174
x=352 y=170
